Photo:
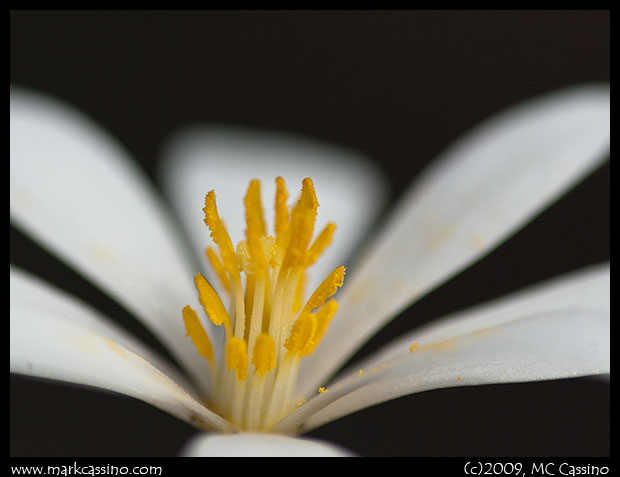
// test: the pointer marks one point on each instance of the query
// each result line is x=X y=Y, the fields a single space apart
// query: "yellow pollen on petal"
x=270 y=323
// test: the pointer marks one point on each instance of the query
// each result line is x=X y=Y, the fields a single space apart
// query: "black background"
x=398 y=86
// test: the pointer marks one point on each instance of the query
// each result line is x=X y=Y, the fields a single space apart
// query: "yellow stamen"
x=326 y=289
x=256 y=226
x=282 y=215
x=268 y=318
x=237 y=357
x=320 y=244
x=210 y=301
x=299 y=292
x=220 y=235
x=217 y=266
x=199 y=336
x=264 y=356
x=323 y=317
x=301 y=334
x=301 y=225
x=244 y=259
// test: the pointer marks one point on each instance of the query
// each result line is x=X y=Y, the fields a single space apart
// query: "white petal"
x=350 y=191
x=77 y=192
x=555 y=345
x=586 y=289
x=484 y=188
x=55 y=337
x=260 y=445
x=32 y=295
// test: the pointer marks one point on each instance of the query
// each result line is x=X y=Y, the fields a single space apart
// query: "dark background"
x=398 y=86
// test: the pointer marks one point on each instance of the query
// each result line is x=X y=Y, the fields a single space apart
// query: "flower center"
x=268 y=327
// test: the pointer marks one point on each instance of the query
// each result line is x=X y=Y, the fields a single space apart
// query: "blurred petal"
x=55 y=337
x=77 y=192
x=350 y=191
x=259 y=445
x=482 y=190
x=560 y=344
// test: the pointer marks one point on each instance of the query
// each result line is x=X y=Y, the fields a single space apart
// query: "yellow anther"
x=220 y=235
x=256 y=229
x=250 y=289
x=237 y=357
x=301 y=225
x=210 y=301
x=327 y=288
x=244 y=258
x=270 y=249
x=322 y=390
x=199 y=336
x=320 y=244
x=301 y=334
x=323 y=317
x=281 y=209
x=264 y=356
x=218 y=268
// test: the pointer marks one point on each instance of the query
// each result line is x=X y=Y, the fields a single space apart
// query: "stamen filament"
x=256 y=322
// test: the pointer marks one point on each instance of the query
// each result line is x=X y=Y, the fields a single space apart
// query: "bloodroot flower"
x=266 y=315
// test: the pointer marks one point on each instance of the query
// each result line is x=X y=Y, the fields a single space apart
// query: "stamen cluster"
x=268 y=327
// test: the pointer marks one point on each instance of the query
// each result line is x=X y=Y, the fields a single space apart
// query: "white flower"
x=76 y=191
